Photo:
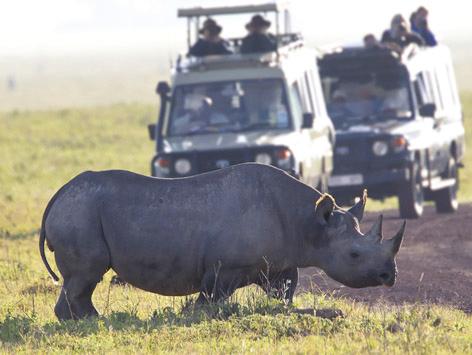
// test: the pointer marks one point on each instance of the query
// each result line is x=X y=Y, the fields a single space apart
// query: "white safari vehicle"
x=229 y=109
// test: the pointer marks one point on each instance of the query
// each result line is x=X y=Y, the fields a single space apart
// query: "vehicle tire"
x=411 y=194
x=446 y=199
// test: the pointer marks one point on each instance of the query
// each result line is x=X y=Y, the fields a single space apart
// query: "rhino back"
x=163 y=234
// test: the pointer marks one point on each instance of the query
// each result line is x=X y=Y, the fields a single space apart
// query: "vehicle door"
x=318 y=145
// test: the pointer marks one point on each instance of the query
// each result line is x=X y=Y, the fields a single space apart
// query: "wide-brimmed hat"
x=258 y=21
x=212 y=26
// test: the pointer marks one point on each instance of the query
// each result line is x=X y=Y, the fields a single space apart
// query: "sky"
x=31 y=27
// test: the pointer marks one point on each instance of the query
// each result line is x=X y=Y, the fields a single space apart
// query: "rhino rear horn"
x=358 y=209
x=395 y=243
x=375 y=233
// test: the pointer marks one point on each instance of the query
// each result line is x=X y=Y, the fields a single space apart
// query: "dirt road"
x=434 y=264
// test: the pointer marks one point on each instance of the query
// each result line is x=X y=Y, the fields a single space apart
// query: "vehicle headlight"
x=380 y=148
x=399 y=144
x=182 y=166
x=161 y=167
x=263 y=158
x=284 y=159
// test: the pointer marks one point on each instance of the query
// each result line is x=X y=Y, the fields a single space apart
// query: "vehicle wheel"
x=411 y=195
x=446 y=199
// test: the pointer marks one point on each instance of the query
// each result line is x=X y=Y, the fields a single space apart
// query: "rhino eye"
x=354 y=254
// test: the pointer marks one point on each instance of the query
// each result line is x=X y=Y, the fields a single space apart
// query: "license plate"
x=346 y=180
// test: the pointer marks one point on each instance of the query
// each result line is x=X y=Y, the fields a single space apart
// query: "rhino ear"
x=358 y=209
x=324 y=207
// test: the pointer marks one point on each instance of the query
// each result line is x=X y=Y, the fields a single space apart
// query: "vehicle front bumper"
x=379 y=183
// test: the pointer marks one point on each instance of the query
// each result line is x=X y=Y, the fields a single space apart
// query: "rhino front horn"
x=375 y=233
x=395 y=243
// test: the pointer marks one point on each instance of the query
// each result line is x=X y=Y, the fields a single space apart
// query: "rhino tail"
x=43 y=238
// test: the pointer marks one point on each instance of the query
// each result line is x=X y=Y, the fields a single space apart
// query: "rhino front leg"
x=281 y=285
x=219 y=284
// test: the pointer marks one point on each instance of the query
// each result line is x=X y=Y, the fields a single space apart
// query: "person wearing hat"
x=210 y=42
x=258 y=40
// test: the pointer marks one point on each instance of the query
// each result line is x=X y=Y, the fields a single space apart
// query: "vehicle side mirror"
x=428 y=110
x=162 y=88
x=152 y=131
x=308 y=119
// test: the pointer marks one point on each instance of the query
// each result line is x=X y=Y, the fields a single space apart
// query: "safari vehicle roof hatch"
x=354 y=59
x=287 y=42
x=193 y=15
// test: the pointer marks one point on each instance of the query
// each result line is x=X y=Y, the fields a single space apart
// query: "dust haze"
x=86 y=53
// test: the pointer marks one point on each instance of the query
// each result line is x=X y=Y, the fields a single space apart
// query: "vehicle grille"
x=353 y=154
x=204 y=161
x=208 y=161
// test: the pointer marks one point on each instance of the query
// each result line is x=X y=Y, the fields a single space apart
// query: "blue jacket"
x=426 y=34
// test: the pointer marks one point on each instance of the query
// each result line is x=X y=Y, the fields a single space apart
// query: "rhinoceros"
x=211 y=233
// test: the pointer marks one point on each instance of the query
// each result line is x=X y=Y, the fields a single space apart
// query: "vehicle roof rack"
x=232 y=10
x=355 y=58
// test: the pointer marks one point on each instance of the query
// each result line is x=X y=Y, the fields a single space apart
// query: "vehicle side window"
x=432 y=85
x=304 y=95
x=297 y=105
x=316 y=94
x=311 y=95
x=423 y=95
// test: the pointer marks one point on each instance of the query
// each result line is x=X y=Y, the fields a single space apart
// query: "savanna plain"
x=42 y=149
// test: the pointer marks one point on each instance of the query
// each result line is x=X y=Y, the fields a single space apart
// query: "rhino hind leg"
x=82 y=267
x=75 y=300
x=281 y=285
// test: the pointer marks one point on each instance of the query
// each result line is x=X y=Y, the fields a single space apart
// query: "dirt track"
x=434 y=264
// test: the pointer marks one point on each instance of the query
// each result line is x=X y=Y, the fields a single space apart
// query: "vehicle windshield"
x=231 y=106
x=353 y=98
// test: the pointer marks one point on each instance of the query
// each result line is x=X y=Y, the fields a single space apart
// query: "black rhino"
x=211 y=233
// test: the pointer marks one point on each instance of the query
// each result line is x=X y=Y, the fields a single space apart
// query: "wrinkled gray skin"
x=211 y=233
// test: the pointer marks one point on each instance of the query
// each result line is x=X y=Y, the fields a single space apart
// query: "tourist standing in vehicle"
x=371 y=42
x=258 y=40
x=210 y=43
x=419 y=25
x=399 y=33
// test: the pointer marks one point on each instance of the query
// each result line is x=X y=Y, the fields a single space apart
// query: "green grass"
x=40 y=151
